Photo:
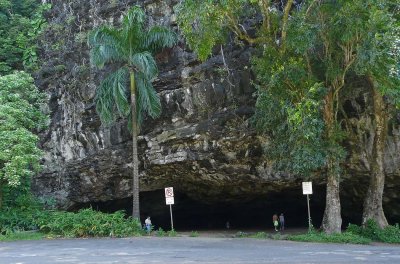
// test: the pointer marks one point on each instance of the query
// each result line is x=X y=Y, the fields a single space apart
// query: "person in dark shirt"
x=282 y=222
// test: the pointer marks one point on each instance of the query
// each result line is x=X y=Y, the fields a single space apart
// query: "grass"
x=22 y=236
x=259 y=235
x=320 y=237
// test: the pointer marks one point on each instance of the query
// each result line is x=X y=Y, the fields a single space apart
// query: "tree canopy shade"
x=20 y=117
x=305 y=53
x=131 y=47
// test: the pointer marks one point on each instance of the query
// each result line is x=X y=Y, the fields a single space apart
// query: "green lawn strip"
x=346 y=237
x=22 y=236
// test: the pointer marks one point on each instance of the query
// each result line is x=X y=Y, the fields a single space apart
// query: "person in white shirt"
x=147 y=222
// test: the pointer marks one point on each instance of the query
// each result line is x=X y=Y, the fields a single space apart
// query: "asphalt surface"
x=191 y=250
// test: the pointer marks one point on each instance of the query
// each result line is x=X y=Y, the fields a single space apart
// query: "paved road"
x=190 y=250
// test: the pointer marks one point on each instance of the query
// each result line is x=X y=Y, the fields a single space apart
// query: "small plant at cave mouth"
x=259 y=235
x=160 y=232
x=241 y=234
x=172 y=233
x=194 y=234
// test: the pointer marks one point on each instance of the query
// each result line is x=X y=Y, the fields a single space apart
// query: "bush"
x=89 y=223
x=259 y=235
x=241 y=234
x=194 y=234
x=22 y=216
x=160 y=232
x=346 y=237
x=172 y=233
x=371 y=230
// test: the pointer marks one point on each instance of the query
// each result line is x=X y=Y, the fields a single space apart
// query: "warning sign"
x=169 y=192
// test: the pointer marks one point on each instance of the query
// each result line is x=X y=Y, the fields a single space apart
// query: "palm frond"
x=158 y=38
x=135 y=16
x=120 y=91
x=148 y=99
x=111 y=97
x=105 y=102
x=105 y=44
x=145 y=64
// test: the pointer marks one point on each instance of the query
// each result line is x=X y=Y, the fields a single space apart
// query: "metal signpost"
x=169 y=199
x=307 y=189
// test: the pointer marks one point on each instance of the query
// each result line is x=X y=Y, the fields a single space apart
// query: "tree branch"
x=264 y=5
x=285 y=20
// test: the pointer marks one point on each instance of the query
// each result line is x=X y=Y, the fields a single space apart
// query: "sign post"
x=169 y=200
x=307 y=189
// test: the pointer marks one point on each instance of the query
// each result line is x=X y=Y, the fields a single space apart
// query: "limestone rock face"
x=203 y=143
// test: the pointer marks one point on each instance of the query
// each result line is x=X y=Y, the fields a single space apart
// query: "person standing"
x=275 y=221
x=282 y=222
x=147 y=222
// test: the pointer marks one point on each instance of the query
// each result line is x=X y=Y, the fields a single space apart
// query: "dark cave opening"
x=255 y=213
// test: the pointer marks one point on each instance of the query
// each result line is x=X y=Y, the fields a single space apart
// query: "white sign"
x=307 y=187
x=169 y=200
x=169 y=192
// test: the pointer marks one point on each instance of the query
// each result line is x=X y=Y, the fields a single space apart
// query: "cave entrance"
x=190 y=214
x=250 y=214
x=254 y=214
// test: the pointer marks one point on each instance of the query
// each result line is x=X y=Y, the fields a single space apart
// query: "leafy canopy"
x=20 y=117
x=304 y=50
x=21 y=21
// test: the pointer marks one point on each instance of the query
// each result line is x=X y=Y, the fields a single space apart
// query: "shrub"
x=260 y=235
x=90 y=223
x=390 y=234
x=371 y=230
x=160 y=232
x=21 y=216
x=346 y=237
x=241 y=234
x=194 y=234
x=172 y=233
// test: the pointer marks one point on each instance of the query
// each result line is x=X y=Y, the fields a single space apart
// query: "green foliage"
x=241 y=234
x=206 y=23
x=21 y=116
x=133 y=48
x=296 y=129
x=160 y=232
x=322 y=43
x=259 y=235
x=27 y=214
x=321 y=237
x=371 y=230
x=354 y=234
x=21 y=21
x=172 y=233
x=89 y=223
x=16 y=236
x=194 y=234
x=21 y=215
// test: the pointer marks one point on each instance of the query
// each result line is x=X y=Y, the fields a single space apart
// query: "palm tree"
x=131 y=48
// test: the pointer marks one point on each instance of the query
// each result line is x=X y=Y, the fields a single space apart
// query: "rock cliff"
x=203 y=144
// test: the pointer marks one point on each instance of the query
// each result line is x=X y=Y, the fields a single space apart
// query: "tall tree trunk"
x=135 y=172
x=332 y=221
x=373 y=208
